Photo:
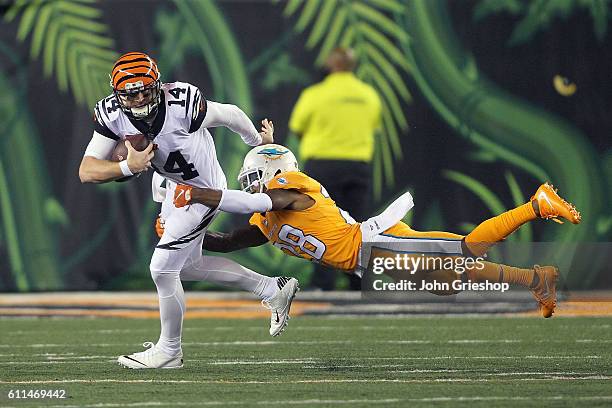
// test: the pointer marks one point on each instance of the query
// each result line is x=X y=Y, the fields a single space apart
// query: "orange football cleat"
x=545 y=291
x=551 y=205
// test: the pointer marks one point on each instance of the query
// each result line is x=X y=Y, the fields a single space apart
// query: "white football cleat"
x=280 y=304
x=151 y=358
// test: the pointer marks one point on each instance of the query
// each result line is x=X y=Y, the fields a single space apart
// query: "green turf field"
x=356 y=362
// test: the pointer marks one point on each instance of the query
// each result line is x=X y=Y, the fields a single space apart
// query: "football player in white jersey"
x=174 y=116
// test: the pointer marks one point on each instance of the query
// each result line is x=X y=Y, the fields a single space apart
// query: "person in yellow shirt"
x=336 y=120
x=296 y=214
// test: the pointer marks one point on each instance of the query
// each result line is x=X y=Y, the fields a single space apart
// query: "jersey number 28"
x=292 y=239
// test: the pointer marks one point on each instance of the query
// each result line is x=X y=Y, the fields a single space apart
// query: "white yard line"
x=55 y=362
x=482 y=341
x=299 y=342
x=43 y=345
x=338 y=401
x=53 y=358
x=310 y=362
x=267 y=343
x=481 y=373
x=221 y=403
x=306 y=381
x=37 y=354
x=209 y=343
x=415 y=371
x=562 y=357
x=265 y=362
x=223 y=328
x=315 y=360
x=297 y=328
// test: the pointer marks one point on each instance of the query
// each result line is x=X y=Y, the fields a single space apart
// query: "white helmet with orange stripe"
x=136 y=84
x=262 y=164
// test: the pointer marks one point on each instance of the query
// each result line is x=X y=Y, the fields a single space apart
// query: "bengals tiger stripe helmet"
x=136 y=84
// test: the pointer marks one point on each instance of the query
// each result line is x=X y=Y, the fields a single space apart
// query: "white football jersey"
x=185 y=150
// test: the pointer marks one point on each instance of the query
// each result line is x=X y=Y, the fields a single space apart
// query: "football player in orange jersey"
x=295 y=214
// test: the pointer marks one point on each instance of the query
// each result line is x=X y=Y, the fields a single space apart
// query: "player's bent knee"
x=166 y=282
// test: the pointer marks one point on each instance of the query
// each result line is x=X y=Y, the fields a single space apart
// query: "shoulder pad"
x=109 y=108
x=294 y=180
x=185 y=102
x=106 y=113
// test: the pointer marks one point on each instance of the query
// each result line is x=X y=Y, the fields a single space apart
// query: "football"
x=139 y=142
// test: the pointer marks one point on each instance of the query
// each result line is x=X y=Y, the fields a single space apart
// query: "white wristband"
x=125 y=169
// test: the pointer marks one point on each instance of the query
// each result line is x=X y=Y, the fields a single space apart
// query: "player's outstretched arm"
x=97 y=170
x=239 y=202
x=233 y=118
x=242 y=238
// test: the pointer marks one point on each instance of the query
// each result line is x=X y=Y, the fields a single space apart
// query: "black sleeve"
x=100 y=126
x=198 y=111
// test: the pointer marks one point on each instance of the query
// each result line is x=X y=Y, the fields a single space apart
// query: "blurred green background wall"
x=473 y=118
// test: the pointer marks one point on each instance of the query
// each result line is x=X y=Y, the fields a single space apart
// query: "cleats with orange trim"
x=545 y=291
x=552 y=206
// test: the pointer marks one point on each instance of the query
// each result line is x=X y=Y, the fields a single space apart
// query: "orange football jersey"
x=322 y=233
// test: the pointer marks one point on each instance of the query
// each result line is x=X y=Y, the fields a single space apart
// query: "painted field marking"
x=300 y=361
x=82 y=359
x=309 y=381
x=37 y=362
x=338 y=401
x=302 y=342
